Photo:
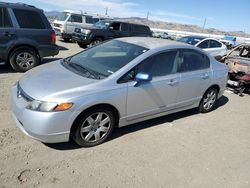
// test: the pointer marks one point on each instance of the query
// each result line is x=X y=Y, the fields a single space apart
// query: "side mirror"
x=142 y=77
x=111 y=28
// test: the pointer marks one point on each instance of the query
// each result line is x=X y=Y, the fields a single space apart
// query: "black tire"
x=96 y=41
x=208 y=100
x=66 y=39
x=80 y=137
x=23 y=59
x=82 y=45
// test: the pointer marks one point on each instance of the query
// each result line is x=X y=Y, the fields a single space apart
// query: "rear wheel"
x=208 y=101
x=93 y=127
x=23 y=59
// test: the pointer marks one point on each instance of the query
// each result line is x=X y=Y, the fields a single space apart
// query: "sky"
x=227 y=15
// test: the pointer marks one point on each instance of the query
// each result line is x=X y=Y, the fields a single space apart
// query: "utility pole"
x=205 y=21
x=147 y=15
x=106 y=11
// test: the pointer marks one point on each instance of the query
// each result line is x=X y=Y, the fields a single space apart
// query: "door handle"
x=205 y=76
x=173 y=82
x=8 y=34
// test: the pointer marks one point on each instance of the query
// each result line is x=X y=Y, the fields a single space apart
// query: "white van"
x=69 y=20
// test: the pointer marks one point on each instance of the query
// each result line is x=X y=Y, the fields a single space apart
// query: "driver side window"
x=158 y=65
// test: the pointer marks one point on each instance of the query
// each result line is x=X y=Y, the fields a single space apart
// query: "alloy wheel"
x=25 y=59
x=209 y=100
x=95 y=127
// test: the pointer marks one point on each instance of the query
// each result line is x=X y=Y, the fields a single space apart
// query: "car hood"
x=53 y=80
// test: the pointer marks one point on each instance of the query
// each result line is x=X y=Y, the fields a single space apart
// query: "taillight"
x=53 y=37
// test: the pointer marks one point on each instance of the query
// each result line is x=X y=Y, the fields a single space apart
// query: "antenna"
x=205 y=21
x=106 y=11
x=148 y=15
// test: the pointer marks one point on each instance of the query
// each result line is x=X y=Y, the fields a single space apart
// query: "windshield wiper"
x=83 y=69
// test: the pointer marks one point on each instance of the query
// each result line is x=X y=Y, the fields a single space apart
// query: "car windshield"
x=101 y=24
x=63 y=16
x=229 y=38
x=105 y=59
x=190 y=40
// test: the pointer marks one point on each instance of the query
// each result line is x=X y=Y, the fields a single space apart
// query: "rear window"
x=28 y=19
x=214 y=44
x=4 y=18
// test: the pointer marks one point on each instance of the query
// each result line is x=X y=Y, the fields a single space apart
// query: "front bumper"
x=80 y=38
x=47 y=127
x=66 y=35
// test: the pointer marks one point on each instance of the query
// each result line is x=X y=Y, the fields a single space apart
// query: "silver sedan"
x=114 y=84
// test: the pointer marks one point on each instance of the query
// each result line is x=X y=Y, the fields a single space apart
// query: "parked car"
x=114 y=84
x=231 y=41
x=163 y=35
x=69 y=20
x=210 y=45
x=238 y=62
x=25 y=36
x=108 y=29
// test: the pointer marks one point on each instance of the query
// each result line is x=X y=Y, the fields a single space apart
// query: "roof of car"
x=196 y=36
x=150 y=42
x=18 y=5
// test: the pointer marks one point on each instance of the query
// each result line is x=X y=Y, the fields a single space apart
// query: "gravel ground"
x=186 y=149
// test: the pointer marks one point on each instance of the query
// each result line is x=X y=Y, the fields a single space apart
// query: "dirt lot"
x=181 y=150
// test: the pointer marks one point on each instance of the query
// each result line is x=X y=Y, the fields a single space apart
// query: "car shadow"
x=6 y=69
x=71 y=145
x=62 y=48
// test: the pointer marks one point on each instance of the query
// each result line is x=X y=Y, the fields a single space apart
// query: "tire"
x=23 y=59
x=82 y=45
x=208 y=100
x=96 y=41
x=93 y=127
x=66 y=39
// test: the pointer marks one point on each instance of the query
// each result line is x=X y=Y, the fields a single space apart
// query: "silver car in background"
x=117 y=83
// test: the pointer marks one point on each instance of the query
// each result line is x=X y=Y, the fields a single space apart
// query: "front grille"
x=77 y=30
x=22 y=94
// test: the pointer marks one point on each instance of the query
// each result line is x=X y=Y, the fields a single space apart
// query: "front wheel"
x=208 y=101
x=82 y=45
x=93 y=127
x=96 y=41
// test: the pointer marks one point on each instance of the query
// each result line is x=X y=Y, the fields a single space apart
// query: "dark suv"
x=26 y=36
x=108 y=29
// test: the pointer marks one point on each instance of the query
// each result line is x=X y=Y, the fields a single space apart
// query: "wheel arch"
x=103 y=105
x=11 y=50
x=216 y=86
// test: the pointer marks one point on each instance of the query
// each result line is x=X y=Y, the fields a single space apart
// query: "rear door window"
x=4 y=18
x=214 y=44
x=193 y=60
x=89 y=20
x=28 y=19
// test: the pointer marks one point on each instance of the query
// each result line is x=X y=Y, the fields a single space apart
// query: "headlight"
x=48 y=106
x=85 y=31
